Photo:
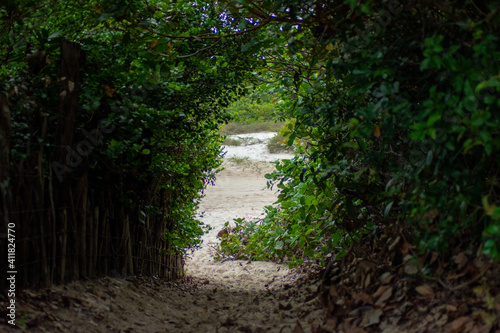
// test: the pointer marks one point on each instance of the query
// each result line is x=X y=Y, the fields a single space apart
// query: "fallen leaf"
x=434 y=257
x=371 y=317
x=359 y=312
x=461 y=260
x=298 y=328
x=403 y=309
x=379 y=291
x=98 y=294
x=362 y=297
x=431 y=215
x=334 y=292
x=394 y=243
x=331 y=323
x=425 y=290
x=410 y=266
x=488 y=318
x=367 y=281
x=463 y=308
x=458 y=324
x=485 y=329
x=490 y=300
x=443 y=320
x=386 y=278
x=405 y=248
x=451 y=308
x=384 y=297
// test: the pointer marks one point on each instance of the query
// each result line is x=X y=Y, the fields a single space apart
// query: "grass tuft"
x=256 y=127
x=240 y=160
x=232 y=142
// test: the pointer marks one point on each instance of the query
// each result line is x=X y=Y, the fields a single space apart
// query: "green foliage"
x=308 y=221
x=258 y=106
x=151 y=74
x=395 y=114
x=255 y=112
x=458 y=123
x=400 y=117
x=491 y=233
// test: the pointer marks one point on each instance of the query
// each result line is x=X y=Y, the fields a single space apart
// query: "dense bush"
x=256 y=106
x=146 y=74
x=398 y=103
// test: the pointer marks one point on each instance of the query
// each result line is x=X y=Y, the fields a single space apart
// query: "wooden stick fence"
x=72 y=228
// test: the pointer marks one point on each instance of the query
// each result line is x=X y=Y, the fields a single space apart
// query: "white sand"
x=239 y=192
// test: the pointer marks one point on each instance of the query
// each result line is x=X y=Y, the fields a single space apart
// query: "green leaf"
x=388 y=209
x=493 y=230
x=488 y=148
x=496 y=214
x=55 y=35
x=104 y=17
x=433 y=119
x=490 y=99
x=490 y=248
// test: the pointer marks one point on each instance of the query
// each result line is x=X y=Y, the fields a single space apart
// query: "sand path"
x=239 y=192
x=227 y=296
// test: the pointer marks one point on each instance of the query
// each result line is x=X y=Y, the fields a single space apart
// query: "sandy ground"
x=239 y=192
x=255 y=149
x=227 y=296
